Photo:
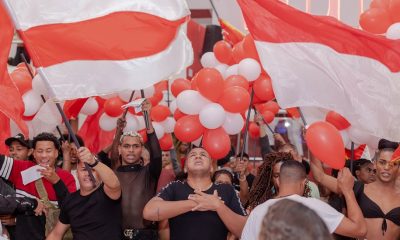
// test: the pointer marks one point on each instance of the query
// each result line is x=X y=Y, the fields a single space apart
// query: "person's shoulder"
x=174 y=184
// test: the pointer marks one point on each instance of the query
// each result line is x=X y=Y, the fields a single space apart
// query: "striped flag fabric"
x=86 y=47
x=320 y=62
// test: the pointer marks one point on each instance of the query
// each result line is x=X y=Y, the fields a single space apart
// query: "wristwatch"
x=96 y=161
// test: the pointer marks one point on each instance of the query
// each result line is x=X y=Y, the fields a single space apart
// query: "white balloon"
x=191 y=102
x=222 y=69
x=393 y=31
x=232 y=70
x=168 y=124
x=107 y=123
x=234 y=123
x=90 y=107
x=251 y=114
x=208 y=60
x=39 y=86
x=197 y=141
x=250 y=69
x=172 y=106
x=108 y=96
x=132 y=123
x=212 y=116
x=141 y=122
x=148 y=92
x=32 y=102
x=125 y=95
x=158 y=128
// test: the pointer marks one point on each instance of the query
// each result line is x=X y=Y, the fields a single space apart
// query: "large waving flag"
x=11 y=105
x=317 y=61
x=90 y=47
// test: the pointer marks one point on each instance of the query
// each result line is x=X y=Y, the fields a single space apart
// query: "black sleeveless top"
x=371 y=210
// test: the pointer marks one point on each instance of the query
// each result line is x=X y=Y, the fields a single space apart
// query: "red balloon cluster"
x=380 y=15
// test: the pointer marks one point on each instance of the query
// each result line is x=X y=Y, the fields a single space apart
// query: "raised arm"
x=158 y=209
x=121 y=123
x=112 y=185
x=176 y=165
x=354 y=225
x=66 y=152
x=321 y=177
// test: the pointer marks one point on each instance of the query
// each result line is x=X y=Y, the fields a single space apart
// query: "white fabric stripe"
x=77 y=79
x=7 y=170
x=25 y=194
x=42 y=12
x=361 y=89
x=4 y=167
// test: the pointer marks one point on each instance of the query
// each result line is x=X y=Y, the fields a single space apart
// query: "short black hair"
x=222 y=171
x=45 y=136
x=383 y=143
x=245 y=155
x=68 y=138
x=292 y=171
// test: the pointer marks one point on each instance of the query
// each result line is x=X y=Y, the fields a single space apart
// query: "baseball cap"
x=20 y=138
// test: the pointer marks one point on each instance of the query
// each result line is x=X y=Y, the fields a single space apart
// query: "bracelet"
x=96 y=161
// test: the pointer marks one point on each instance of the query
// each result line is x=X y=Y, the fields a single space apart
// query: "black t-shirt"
x=95 y=216
x=249 y=178
x=200 y=225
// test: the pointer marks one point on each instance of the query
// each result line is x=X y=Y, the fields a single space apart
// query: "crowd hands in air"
x=133 y=190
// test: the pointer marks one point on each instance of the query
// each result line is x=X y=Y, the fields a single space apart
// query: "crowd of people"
x=134 y=190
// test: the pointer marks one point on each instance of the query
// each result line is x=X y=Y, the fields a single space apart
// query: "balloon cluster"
x=382 y=17
x=212 y=105
x=328 y=140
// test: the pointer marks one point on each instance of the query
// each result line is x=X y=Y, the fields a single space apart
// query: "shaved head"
x=292 y=172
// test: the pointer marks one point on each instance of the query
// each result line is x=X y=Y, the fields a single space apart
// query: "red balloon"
x=250 y=48
x=325 y=142
x=22 y=80
x=256 y=100
x=235 y=99
x=179 y=85
x=254 y=130
x=268 y=116
x=269 y=106
x=375 y=20
x=166 y=142
x=159 y=113
x=193 y=83
x=293 y=112
x=161 y=86
x=188 y=128
x=263 y=88
x=236 y=80
x=380 y=4
x=337 y=120
x=156 y=98
x=238 y=52
x=143 y=133
x=210 y=83
x=113 y=106
x=217 y=143
x=178 y=114
x=223 y=52
x=394 y=10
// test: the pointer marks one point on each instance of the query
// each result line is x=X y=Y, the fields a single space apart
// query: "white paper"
x=31 y=174
x=137 y=105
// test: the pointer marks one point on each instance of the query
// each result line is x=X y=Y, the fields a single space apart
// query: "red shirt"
x=10 y=169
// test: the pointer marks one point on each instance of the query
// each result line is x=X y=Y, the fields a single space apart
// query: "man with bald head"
x=292 y=180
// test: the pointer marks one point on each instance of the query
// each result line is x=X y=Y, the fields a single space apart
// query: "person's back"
x=285 y=221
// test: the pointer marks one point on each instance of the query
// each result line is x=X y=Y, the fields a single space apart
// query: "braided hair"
x=262 y=188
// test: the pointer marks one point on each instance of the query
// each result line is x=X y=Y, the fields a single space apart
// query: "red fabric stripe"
x=117 y=36
x=73 y=107
x=11 y=104
x=273 y=21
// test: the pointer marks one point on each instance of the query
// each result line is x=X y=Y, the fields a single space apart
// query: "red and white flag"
x=89 y=47
x=317 y=61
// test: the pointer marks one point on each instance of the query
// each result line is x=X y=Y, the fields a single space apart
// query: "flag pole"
x=130 y=100
x=352 y=157
x=41 y=96
x=145 y=114
x=302 y=116
x=214 y=8
x=269 y=127
x=246 y=130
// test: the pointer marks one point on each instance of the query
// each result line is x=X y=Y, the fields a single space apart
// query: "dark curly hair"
x=45 y=136
x=262 y=190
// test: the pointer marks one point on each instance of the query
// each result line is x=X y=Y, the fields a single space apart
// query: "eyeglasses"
x=131 y=134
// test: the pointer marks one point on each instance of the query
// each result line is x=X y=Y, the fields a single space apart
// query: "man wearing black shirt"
x=197 y=208
x=138 y=180
x=92 y=212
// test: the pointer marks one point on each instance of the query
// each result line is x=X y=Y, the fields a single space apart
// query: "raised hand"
x=49 y=173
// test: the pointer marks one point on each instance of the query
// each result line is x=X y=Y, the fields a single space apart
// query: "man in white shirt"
x=292 y=179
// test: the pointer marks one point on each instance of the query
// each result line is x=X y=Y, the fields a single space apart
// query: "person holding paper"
x=51 y=185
